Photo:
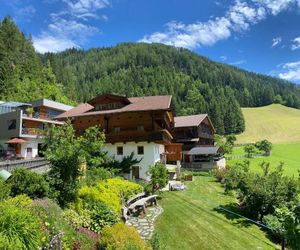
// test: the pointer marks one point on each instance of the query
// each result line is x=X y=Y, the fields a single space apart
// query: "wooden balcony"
x=161 y=136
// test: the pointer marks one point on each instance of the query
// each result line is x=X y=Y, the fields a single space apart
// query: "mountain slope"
x=198 y=85
x=276 y=123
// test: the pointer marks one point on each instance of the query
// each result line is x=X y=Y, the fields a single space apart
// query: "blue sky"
x=258 y=35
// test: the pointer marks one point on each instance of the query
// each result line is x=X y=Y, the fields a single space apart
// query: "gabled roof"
x=80 y=109
x=146 y=103
x=189 y=120
x=101 y=97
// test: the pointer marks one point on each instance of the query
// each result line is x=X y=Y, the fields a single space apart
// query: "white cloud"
x=71 y=28
x=223 y=58
x=296 y=43
x=239 y=18
x=47 y=43
x=276 y=41
x=84 y=7
x=276 y=6
x=291 y=71
x=68 y=28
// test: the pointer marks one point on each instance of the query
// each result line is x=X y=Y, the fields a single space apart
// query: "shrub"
x=5 y=190
x=219 y=173
x=259 y=194
x=24 y=181
x=123 y=188
x=7 y=243
x=101 y=216
x=249 y=149
x=159 y=176
x=19 y=226
x=100 y=194
x=54 y=223
x=110 y=192
x=95 y=175
x=77 y=220
x=265 y=146
x=121 y=237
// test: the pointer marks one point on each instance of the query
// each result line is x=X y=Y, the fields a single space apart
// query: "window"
x=117 y=129
x=140 y=150
x=12 y=124
x=140 y=128
x=119 y=150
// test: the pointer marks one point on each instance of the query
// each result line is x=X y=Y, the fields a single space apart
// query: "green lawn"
x=276 y=123
x=190 y=221
x=287 y=153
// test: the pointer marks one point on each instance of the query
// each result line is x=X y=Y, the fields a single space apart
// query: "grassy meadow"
x=190 y=220
x=287 y=153
x=276 y=123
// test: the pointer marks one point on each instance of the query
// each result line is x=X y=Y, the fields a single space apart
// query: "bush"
x=77 y=220
x=259 y=194
x=5 y=190
x=19 y=226
x=99 y=194
x=121 y=237
x=219 y=173
x=159 y=176
x=249 y=150
x=101 y=216
x=95 y=175
x=24 y=181
x=123 y=188
x=54 y=223
x=110 y=192
x=265 y=146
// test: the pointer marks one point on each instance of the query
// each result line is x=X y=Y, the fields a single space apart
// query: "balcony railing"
x=162 y=136
x=37 y=115
x=33 y=131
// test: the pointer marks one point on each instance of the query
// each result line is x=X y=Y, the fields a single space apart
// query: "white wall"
x=151 y=155
x=31 y=144
x=6 y=134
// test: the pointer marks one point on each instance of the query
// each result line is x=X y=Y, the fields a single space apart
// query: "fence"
x=37 y=164
x=243 y=156
x=203 y=166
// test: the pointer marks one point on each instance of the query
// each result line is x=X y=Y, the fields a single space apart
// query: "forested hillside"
x=197 y=84
x=23 y=77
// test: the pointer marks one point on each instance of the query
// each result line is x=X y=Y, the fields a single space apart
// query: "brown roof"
x=16 y=141
x=81 y=108
x=189 y=121
x=136 y=104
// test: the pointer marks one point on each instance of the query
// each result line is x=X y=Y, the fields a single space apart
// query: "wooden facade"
x=129 y=125
x=191 y=136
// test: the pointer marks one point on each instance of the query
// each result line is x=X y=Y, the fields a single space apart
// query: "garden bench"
x=135 y=198
x=141 y=204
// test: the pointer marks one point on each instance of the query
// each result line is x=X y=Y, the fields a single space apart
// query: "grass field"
x=276 y=123
x=287 y=153
x=190 y=220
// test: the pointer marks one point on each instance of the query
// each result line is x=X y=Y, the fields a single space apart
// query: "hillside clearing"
x=276 y=123
x=190 y=221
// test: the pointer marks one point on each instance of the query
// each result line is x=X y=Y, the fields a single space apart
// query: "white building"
x=23 y=125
